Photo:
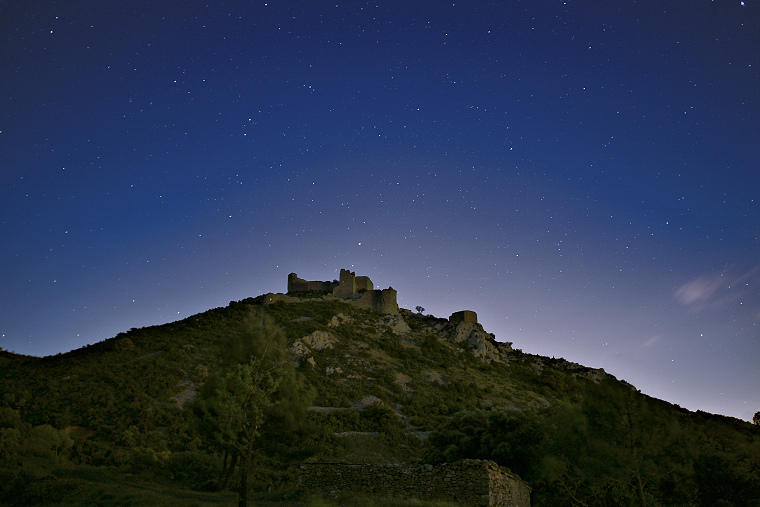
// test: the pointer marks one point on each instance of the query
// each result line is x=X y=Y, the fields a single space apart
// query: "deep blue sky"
x=583 y=174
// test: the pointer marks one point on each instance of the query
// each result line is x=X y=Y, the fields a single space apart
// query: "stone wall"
x=296 y=284
x=468 y=482
x=464 y=316
x=363 y=283
x=383 y=301
x=346 y=285
x=271 y=298
x=356 y=289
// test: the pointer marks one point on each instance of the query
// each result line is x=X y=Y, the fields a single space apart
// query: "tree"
x=242 y=399
x=46 y=441
x=419 y=309
x=756 y=418
x=235 y=400
x=508 y=437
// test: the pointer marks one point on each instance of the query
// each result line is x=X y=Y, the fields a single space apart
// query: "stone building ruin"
x=464 y=316
x=350 y=285
x=296 y=284
x=466 y=482
x=356 y=290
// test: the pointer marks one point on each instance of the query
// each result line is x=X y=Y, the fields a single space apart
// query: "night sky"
x=585 y=175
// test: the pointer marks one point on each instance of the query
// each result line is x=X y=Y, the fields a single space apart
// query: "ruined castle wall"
x=296 y=284
x=271 y=298
x=469 y=482
x=363 y=283
x=383 y=301
x=464 y=316
x=346 y=285
x=357 y=289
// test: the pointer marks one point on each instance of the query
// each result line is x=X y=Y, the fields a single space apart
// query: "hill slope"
x=379 y=388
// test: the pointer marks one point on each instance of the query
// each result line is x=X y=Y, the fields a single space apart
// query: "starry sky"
x=585 y=175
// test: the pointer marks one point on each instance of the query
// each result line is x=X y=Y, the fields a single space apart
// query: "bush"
x=10 y=442
x=380 y=418
x=195 y=470
x=48 y=442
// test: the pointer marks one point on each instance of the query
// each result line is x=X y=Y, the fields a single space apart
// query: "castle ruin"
x=296 y=284
x=356 y=290
x=464 y=316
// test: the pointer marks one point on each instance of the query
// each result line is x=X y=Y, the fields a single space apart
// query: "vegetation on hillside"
x=239 y=397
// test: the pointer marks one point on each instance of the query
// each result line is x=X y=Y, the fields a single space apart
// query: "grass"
x=37 y=483
x=361 y=500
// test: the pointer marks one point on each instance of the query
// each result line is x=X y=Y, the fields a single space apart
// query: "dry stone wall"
x=466 y=482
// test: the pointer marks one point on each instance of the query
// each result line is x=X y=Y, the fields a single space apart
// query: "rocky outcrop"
x=397 y=324
x=317 y=340
x=482 y=344
x=340 y=319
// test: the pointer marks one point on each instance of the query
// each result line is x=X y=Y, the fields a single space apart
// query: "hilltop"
x=370 y=383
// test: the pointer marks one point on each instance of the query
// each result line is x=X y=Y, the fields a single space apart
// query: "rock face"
x=466 y=482
x=482 y=344
x=398 y=324
x=339 y=319
x=317 y=340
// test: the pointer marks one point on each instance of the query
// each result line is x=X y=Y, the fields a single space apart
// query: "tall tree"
x=235 y=400
x=241 y=405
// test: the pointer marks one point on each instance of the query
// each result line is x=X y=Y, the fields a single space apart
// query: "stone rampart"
x=464 y=316
x=346 y=285
x=271 y=298
x=466 y=482
x=363 y=283
x=383 y=301
x=357 y=290
x=296 y=284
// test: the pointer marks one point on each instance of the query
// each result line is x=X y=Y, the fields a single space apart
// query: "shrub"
x=48 y=442
x=196 y=470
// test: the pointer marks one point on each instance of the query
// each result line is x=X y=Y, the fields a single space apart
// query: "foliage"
x=76 y=425
x=508 y=437
x=236 y=398
x=610 y=446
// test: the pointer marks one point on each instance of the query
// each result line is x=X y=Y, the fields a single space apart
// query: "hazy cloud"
x=721 y=289
x=700 y=289
x=651 y=341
